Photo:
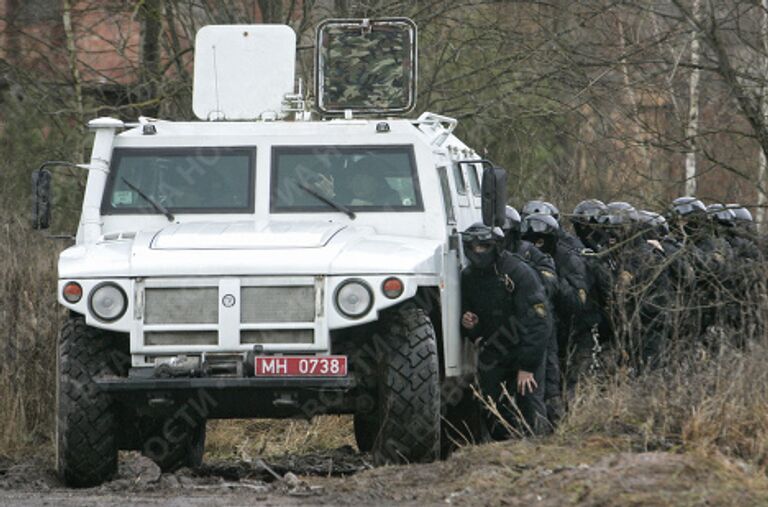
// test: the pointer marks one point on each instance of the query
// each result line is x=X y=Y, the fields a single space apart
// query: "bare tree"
x=576 y=99
x=692 y=129
x=762 y=199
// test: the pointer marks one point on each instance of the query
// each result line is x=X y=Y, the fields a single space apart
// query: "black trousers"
x=496 y=370
x=553 y=380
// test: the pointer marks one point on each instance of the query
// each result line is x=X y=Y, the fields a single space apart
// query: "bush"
x=700 y=402
x=30 y=319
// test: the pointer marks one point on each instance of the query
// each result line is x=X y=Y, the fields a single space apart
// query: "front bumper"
x=117 y=385
x=233 y=397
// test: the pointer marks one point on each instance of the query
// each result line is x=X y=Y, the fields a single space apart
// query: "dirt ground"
x=544 y=473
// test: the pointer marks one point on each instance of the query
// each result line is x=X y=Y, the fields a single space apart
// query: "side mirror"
x=41 y=199
x=494 y=196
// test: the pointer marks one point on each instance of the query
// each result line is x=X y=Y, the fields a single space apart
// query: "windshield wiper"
x=159 y=207
x=335 y=205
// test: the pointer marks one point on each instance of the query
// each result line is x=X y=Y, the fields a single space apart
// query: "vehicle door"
x=450 y=289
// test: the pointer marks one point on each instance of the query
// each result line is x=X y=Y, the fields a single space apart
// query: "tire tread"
x=87 y=445
x=410 y=425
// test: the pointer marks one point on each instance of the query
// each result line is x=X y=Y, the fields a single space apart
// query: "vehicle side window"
x=474 y=180
x=442 y=173
x=458 y=178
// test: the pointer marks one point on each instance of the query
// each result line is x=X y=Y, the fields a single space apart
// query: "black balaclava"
x=482 y=261
x=590 y=234
x=484 y=235
x=550 y=242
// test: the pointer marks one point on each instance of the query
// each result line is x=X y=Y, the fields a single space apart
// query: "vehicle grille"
x=277 y=336
x=277 y=304
x=182 y=305
x=180 y=338
x=281 y=314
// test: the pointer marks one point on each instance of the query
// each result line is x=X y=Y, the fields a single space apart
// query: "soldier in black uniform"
x=743 y=219
x=655 y=230
x=734 y=225
x=538 y=260
x=585 y=223
x=744 y=285
x=505 y=307
x=639 y=288
x=709 y=255
x=569 y=300
x=544 y=265
x=594 y=327
x=749 y=245
x=547 y=208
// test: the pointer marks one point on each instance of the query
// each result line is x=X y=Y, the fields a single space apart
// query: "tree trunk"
x=150 y=49
x=637 y=129
x=74 y=72
x=271 y=11
x=762 y=199
x=692 y=129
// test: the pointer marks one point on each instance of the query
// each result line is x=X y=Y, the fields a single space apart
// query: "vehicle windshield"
x=358 y=178
x=183 y=180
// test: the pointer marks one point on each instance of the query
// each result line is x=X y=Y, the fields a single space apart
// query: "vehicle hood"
x=244 y=235
x=252 y=249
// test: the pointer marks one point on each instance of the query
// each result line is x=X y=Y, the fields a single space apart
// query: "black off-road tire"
x=409 y=389
x=366 y=431
x=85 y=424
x=175 y=443
x=366 y=417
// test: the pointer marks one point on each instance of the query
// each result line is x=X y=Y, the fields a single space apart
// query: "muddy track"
x=277 y=481
x=523 y=473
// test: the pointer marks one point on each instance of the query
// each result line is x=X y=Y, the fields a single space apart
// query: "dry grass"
x=247 y=439
x=30 y=320
x=711 y=404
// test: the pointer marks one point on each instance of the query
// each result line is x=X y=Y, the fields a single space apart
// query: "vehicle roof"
x=272 y=128
x=336 y=131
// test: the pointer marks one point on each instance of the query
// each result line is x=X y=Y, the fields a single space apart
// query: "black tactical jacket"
x=512 y=308
x=544 y=265
x=572 y=286
x=571 y=241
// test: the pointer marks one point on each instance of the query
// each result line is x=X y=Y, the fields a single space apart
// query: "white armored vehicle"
x=269 y=261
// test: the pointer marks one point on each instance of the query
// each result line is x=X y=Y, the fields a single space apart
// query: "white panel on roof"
x=242 y=71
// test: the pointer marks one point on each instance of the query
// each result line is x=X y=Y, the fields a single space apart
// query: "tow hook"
x=285 y=400
x=160 y=401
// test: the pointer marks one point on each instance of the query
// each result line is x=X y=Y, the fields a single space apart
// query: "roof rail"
x=441 y=126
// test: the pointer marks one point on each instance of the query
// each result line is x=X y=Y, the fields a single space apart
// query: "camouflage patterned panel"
x=366 y=70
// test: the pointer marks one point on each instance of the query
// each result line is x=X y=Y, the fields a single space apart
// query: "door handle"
x=453 y=241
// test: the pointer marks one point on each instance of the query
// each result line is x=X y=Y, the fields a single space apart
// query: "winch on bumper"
x=225 y=386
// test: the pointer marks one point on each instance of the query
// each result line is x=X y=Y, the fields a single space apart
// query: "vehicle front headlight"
x=108 y=302
x=354 y=298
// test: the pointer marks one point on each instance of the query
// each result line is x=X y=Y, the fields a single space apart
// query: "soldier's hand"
x=525 y=382
x=469 y=320
x=655 y=244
